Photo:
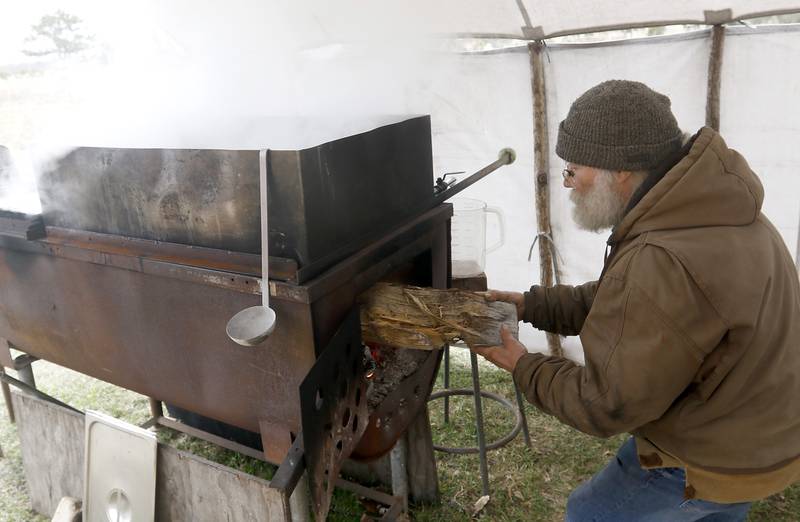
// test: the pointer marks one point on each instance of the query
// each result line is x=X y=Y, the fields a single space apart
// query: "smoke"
x=19 y=173
x=250 y=75
x=245 y=74
x=17 y=185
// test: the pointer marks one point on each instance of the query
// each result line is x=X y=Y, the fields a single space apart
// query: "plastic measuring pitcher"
x=468 y=236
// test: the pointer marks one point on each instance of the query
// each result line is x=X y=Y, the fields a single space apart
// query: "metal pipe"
x=36 y=393
x=7 y=397
x=156 y=409
x=446 y=382
x=210 y=437
x=263 y=162
x=502 y=401
x=364 y=491
x=521 y=408
x=506 y=157
x=476 y=386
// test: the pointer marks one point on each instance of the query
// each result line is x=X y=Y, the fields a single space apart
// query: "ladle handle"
x=262 y=190
x=506 y=156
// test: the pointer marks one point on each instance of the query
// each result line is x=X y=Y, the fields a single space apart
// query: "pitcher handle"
x=501 y=221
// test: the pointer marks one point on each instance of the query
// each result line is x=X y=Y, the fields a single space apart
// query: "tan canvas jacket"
x=692 y=336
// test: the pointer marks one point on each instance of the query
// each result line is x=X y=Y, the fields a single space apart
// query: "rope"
x=553 y=250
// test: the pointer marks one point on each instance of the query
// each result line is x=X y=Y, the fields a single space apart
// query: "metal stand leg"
x=25 y=373
x=7 y=397
x=476 y=386
x=446 y=382
x=521 y=406
x=156 y=415
x=155 y=408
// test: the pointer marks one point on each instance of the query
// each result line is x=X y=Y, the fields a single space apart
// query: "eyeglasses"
x=567 y=173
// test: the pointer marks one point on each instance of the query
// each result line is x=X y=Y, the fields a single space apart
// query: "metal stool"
x=478 y=284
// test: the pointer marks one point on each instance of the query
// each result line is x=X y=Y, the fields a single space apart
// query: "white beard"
x=601 y=207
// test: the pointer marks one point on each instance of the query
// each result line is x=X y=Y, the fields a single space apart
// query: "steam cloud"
x=249 y=75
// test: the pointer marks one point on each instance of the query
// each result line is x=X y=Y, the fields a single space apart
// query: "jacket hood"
x=711 y=186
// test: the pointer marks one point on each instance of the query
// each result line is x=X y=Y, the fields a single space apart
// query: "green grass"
x=527 y=484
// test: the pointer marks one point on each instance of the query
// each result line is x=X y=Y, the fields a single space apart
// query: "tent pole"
x=540 y=147
x=714 y=76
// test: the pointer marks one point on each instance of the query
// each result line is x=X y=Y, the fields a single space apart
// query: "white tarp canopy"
x=324 y=22
x=209 y=75
x=311 y=23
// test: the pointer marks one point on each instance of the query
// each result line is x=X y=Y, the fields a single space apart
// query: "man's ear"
x=621 y=176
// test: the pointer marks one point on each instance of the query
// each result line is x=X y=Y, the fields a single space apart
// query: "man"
x=691 y=335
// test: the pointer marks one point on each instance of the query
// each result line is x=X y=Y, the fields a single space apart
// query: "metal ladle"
x=253 y=325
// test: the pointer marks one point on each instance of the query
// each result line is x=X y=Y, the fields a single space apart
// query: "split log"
x=427 y=318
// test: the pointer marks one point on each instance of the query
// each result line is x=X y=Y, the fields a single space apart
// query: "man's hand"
x=515 y=298
x=506 y=355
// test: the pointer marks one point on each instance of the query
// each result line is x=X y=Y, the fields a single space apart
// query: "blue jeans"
x=623 y=491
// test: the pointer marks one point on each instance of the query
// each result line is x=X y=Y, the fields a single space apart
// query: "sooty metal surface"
x=325 y=202
x=334 y=410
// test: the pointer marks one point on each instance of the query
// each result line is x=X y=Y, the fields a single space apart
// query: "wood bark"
x=714 y=77
x=540 y=147
x=427 y=318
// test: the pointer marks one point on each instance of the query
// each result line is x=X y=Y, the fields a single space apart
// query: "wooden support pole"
x=714 y=77
x=540 y=147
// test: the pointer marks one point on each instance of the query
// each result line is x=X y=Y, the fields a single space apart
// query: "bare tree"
x=59 y=33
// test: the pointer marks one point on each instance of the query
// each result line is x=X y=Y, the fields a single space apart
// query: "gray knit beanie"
x=619 y=125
